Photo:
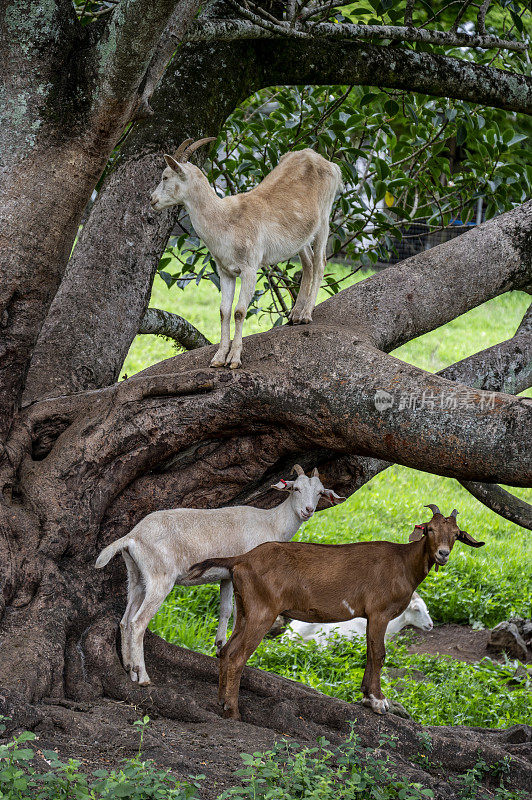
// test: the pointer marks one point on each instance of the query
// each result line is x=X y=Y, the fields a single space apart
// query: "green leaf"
x=167 y=278
x=461 y=133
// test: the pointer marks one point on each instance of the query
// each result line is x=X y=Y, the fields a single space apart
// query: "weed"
x=64 y=780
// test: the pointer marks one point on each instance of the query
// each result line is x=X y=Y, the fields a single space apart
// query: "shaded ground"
x=100 y=732
x=459 y=641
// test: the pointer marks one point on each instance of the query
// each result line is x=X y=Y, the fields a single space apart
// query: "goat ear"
x=418 y=533
x=466 y=538
x=173 y=164
x=283 y=486
x=332 y=497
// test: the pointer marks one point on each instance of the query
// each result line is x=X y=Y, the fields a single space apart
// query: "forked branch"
x=304 y=29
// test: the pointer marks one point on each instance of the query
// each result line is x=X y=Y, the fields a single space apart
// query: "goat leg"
x=376 y=651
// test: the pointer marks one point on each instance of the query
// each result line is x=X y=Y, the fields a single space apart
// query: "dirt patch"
x=100 y=735
x=459 y=641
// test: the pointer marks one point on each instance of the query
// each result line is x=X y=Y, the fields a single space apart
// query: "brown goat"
x=327 y=583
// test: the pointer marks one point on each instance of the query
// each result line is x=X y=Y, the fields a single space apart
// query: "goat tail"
x=222 y=568
x=108 y=552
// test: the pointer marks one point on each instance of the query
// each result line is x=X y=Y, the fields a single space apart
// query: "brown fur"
x=328 y=583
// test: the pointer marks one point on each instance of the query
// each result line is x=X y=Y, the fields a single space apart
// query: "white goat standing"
x=161 y=548
x=287 y=213
x=416 y=613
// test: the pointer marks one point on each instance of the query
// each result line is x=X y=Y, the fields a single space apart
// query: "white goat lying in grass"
x=163 y=546
x=416 y=613
x=287 y=213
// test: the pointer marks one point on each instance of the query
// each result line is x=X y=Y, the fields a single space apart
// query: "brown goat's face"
x=442 y=532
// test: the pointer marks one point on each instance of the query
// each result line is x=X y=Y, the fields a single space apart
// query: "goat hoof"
x=378 y=706
x=145 y=682
x=231 y=713
x=235 y=364
x=216 y=363
x=301 y=319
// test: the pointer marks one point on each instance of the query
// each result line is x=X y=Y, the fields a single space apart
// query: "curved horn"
x=193 y=147
x=299 y=470
x=454 y=513
x=181 y=149
x=433 y=508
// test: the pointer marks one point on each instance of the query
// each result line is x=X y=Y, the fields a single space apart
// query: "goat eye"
x=165 y=178
x=296 y=489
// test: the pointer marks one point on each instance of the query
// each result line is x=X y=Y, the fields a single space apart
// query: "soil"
x=459 y=641
x=100 y=732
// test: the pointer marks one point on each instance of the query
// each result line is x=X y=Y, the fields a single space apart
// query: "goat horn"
x=193 y=147
x=454 y=513
x=433 y=508
x=315 y=473
x=299 y=470
x=181 y=149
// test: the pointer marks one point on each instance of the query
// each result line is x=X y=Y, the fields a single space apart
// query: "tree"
x=84 y=457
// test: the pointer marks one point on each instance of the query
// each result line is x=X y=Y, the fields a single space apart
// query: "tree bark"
x=377 y=65
x=162 y=323
x=72 y=91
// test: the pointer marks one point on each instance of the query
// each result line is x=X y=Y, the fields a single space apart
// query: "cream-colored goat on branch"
x=287 y=213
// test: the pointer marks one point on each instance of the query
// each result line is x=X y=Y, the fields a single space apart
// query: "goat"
x=160 y=549
x=287 y=213
x=416 y=614
x=327 y=583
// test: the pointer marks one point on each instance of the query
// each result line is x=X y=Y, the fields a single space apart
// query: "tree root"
x=185 y=690
x=289 y=708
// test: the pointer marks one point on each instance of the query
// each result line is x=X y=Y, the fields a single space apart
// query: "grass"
x=478 y=587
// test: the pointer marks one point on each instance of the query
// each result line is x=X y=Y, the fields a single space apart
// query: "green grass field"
x=479 y=587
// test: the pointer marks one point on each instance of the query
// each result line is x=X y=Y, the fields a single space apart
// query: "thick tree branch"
x=505 y=367
x=343 y=62
x=450 y=429
x=435 y=286
x=131 y=41
x=263 y=27
x=163 y=323
x=502 y=502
